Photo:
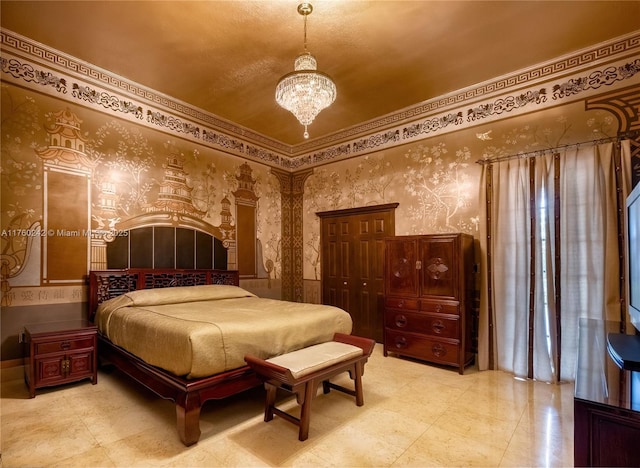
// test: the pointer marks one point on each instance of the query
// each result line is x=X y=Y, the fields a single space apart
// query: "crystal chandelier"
x=305 y=91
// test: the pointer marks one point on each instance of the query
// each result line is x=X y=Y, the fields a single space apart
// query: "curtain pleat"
x=545 y=350
x=486 y=337
x=511 y=264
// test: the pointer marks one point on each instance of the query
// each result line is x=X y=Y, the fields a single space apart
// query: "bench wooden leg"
x=270 y=401
x=305 y=411
x=358 y=384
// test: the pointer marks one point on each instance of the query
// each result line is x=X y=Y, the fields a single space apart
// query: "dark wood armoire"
x=429 y=298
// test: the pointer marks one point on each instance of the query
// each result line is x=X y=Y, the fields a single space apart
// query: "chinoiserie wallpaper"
x=73 y=179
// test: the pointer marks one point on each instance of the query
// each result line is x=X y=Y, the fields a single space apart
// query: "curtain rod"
x=530 y=154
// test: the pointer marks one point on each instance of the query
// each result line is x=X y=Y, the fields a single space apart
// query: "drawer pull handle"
x=400 y=304
x=65 y=345
x=438 y=307
x=401 y=342
x=438 y=326
x=401 y=321
x=438 y=350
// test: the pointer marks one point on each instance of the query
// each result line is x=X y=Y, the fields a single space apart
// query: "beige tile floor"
x=414 y=415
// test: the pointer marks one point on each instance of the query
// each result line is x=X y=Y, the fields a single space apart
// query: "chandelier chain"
x=305 y=32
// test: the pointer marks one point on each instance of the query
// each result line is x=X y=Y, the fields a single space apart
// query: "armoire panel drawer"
x=401 y=303
x=422 y=347
x=423 y=323
x=440 y=307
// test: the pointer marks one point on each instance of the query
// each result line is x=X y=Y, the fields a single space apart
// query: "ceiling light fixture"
x=305 y=91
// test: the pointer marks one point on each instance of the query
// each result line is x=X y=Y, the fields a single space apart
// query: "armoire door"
x=403 y=267
x=440 y=263
x=352 y=243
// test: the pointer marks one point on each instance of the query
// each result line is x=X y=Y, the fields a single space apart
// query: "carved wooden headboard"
x=106 y=284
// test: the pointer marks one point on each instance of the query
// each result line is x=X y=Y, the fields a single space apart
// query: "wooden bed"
x=188 y=394
x=184 y=334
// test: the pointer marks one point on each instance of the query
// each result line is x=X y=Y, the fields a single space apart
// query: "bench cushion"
x=313 y=358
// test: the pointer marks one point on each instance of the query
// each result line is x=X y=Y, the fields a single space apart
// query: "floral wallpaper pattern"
x=437 y=193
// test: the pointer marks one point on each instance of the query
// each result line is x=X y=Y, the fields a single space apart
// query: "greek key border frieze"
x=33 y=75
x=53 y=57
x=577 y=76
x=580 y=59
x=523 y=101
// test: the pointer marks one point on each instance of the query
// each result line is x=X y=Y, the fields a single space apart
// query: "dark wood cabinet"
x=59 y=353
x=429 y=298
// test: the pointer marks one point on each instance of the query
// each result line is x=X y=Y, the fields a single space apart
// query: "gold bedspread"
x=197 y=331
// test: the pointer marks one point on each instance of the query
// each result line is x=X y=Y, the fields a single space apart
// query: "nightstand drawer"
x=64 y=345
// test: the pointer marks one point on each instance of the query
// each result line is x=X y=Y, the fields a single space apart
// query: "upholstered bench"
x=300 y=372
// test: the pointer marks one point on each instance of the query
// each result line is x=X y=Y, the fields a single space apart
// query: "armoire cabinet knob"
x=401 y=342
x=438 y=350
x=401 y=321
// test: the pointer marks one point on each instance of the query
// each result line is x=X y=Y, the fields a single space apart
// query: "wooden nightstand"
x=59 y=353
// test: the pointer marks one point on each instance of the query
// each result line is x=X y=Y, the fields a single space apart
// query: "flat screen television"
x=624 y=349
x=633 y=255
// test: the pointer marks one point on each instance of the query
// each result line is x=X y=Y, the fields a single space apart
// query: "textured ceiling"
x=226 y=57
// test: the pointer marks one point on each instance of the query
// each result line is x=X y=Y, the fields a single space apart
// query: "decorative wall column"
x=292 y=198
x=624 y=104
